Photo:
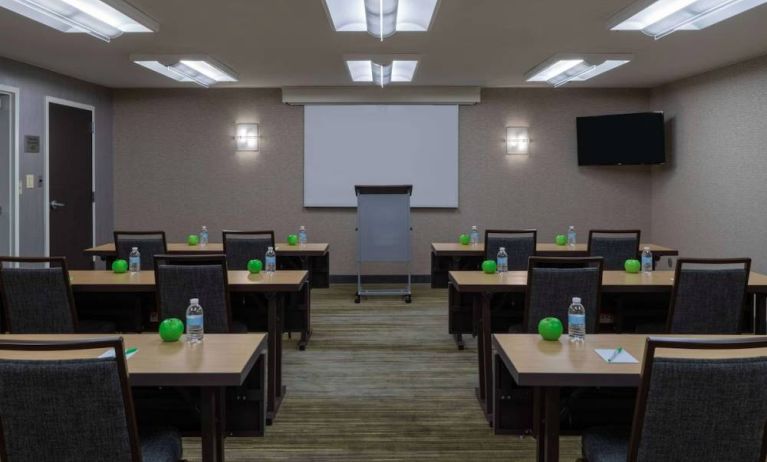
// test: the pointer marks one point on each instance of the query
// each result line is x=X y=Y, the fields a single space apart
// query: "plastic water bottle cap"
x=646 y=248
x=194 y=301
x=134 y=248
x=577 y=300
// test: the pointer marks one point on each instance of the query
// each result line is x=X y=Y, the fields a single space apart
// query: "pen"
x=615 y=354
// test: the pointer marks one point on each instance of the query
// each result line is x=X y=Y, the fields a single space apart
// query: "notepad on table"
x=110 y=353
x=610 y=356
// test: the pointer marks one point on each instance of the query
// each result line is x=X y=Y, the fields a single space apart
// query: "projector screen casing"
x=347 y=145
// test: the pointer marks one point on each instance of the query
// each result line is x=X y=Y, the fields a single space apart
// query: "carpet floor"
x=380 y=381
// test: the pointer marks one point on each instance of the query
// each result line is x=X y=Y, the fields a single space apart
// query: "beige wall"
x=175 y=169
x=710 y=199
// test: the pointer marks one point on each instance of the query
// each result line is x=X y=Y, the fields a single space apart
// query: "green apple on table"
x=489 y=266
x=171 y=329
x=632 y=265
x=292 y=239
x=193 y=239
x=560 y=239
x=550 y=328
x=255 y=266
x=119 y=266
x=464 y=239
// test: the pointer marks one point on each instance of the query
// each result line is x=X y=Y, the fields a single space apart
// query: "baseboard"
x=380 y=279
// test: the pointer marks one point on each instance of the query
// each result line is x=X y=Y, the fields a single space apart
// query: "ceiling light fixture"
x=561 y=69
x=202 y=70
x=381 y=18
x=103 y=19
x=659 y=18
x=382 y=74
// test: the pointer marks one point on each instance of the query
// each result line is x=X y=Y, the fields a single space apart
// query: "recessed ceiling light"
x=381 y=18
x=366 y=70
x=201 y=70
x=659 y=18
x=103 y=19
x=561 y=69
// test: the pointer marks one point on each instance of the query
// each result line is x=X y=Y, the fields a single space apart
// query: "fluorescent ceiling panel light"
x=663 y=17
x=560 y=70
x=400 y=70
x=202 y=71
x=105 y=20
x=381 y=18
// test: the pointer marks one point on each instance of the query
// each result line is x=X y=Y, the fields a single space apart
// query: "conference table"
x=482 y=286
x=270 y=285
x=222 y=361
x=452 y=256
x=548 y=366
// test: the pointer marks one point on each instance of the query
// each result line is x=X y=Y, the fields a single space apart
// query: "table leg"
x=547 y=440
x=212 y=420
x=306 y=334
x=275 y=389
x=760 y=320
x=485 y=390
x=459 y=341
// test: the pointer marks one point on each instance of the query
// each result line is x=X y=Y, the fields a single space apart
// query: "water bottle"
x=474 y=235
x=302 y=237
x=571 y=236
x=646 y=260
x=502 y=261
x=271 y=260
x=576 y=321
x=134 y=260
x=204 y=235
x=194 y=322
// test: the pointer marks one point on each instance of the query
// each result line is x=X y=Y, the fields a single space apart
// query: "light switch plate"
x=30 y=181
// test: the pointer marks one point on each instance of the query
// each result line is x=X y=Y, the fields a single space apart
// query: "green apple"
x=489 y=266
x=171 y=329
x=464 y=239
x=255 y=266
x=550 y=329
x=632 y=265
x=292 y=239
x=119 y=266
x=193 y=239
x=561 y=239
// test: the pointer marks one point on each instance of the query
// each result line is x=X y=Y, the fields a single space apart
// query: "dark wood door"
x=70 y=180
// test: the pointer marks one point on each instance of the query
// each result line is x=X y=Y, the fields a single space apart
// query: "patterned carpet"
x=380 y=381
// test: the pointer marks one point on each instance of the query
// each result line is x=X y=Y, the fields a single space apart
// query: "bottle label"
x=134 y=261
x=576 y=320
x=194 y=322
x=503 y=262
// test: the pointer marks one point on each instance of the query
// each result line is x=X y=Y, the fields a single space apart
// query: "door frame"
x=13 y=173
x=46 y=168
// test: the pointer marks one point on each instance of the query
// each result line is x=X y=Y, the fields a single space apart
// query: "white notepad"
x=110 y=353
x=624 y=357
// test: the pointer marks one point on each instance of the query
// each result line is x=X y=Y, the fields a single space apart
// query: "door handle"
x=57 y=205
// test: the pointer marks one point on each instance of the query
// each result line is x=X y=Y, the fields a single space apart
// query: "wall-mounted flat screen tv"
x=622 y=139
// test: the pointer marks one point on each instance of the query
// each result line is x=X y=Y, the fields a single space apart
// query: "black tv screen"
x=622 y=139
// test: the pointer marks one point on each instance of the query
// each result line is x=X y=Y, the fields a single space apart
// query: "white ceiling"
x=489 y=43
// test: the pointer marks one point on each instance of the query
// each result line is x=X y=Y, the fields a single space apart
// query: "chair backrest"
x=65 y=409
x=615 y=246
x=242 y=246
x=705 y=405
x=37 y=296
x=708 y=296
x=553 y=282
x=149 y=243
x=519 y=244
x=180 y=278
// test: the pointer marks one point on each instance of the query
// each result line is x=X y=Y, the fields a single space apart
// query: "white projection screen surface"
x=347 y=145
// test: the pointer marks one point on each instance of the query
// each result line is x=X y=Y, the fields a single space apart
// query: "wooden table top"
x=220 y=360
x=533 y=361
x=309 y=249
x=612 y=281
x=143 y=281
x=456 y=249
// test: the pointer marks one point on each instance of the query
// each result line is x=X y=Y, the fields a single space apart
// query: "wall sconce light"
x=247 y=137
x=517 y=140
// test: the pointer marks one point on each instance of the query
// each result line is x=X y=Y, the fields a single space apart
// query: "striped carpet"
x=380 y=381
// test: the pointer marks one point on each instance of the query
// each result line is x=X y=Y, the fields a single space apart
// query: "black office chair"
x=615 y=246
x=242 y=246
x=37 y=298
x=149 y=244
x=73 y=410
x=180 y=278
x=692 y=409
